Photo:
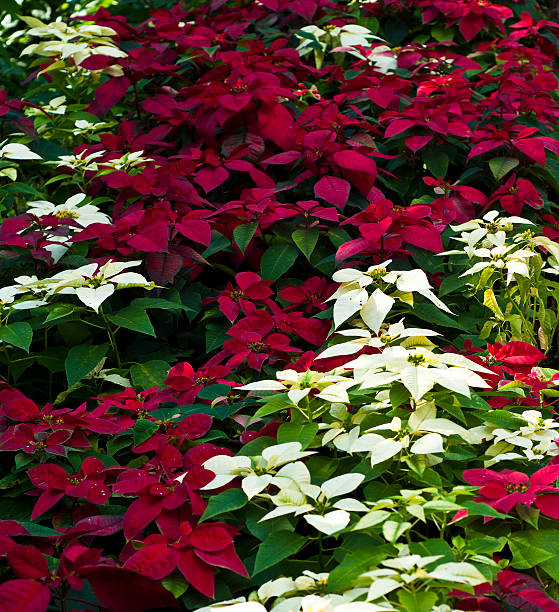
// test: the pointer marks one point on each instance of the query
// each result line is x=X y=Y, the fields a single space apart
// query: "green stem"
x=111 y=335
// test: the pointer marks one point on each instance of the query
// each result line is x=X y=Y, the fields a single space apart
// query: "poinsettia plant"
x=278 y=323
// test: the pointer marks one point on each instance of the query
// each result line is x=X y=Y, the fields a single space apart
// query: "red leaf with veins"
x=210 y=537
x=333 y=189
x=140 y=514
x=28 y=562
x=24 y=596
x=155 y=561
x=199 y=574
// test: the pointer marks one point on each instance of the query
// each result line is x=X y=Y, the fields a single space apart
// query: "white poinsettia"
x=8 y=299
x=126 y=162
x=418 y=369
x=15 y=150
x=81 y=161
x=331 y=387
x=93 y=284
x=408 y=569
x=393 y=334
x=349 y=35
x=56 y=106
x=83 y=126
x=490 y=223
x=256 y=472
x=298 y=496
x=83 y=215
x=423 y=434
x=500 y=256
x=532 y=441
x=381 y=57
x=76 y=42
x=352 y=296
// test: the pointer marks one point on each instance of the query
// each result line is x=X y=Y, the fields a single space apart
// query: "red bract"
x=515 y=356
x=311 y=294
x=503 y=490
x=250 y=288
x=513 y=137
x=155 y=497
x=24 y=596
x=195 y=552
x=55 y=483
x=188 y=383
x=514 y=194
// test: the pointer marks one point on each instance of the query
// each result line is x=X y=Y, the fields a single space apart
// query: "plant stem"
x=111 y=335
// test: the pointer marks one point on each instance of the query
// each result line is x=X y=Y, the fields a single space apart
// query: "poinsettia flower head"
x=503 y=490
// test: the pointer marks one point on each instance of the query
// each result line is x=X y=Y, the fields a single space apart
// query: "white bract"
x=83 y=215
x=93 y=284
x=381 y=57
x=500 y=256
x=76 y=42
x=352 y=297
x=418 y=369
x=81 y=161
x=296 y=489
x=331 y=387
x=394 y=333
x=15 y=150
x=349 y=35
x=257 y=472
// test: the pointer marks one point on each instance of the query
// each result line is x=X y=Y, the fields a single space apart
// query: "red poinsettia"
x=54 y=482
x=195 y=551
x=503 y=490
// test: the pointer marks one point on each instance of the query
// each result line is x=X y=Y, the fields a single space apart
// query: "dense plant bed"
x=279 y=306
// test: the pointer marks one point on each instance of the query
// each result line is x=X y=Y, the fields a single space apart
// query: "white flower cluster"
x=79 y=216
x=76 y=42
x=14 y=151
x=87 y=163
x=91 y=284
x=487 y=244
x=307 y=593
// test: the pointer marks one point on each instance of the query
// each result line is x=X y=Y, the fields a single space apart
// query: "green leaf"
x=159 y=303
x=9 y=6
x=525 y=552
x=17 y=334
x=276 y=547
x=451 y=284
x=297 y=432
x=355 y=563
x=149 y=374
x=481 y=509
x=134 y=318
x=338 y=236
x=58 y=311
x=501 y=166
x=175 y=583
x=143 y=430
x=431 y=314
x=271 y=407
x=306 y=240
x=38 y=530
x=418 y=601
x=277 y=260
x=436 y=162
x=502 y=418
x=82 y=360
x=226 y=501
x=398 y=395
x=213 y=391
x=242 y=234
